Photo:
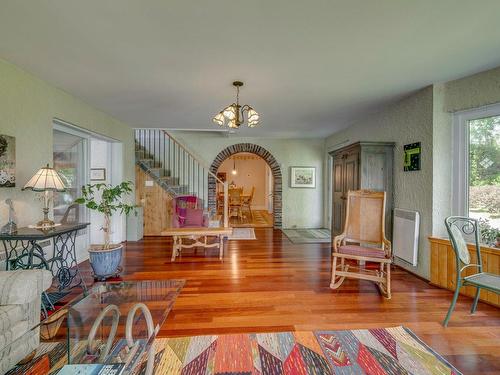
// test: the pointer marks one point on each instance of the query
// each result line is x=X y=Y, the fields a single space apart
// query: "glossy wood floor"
x=270 y=284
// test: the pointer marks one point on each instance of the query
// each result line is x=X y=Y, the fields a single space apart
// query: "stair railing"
x=182 y=171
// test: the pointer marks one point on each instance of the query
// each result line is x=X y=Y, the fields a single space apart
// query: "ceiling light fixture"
x=234 y=115
x=234 y=171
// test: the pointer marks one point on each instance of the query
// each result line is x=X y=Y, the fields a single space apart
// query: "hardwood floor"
x=270 y=284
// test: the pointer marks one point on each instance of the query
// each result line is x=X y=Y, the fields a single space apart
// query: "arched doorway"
x=270 y=160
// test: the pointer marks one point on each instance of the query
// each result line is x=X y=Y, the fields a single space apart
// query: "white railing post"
x=226 y=205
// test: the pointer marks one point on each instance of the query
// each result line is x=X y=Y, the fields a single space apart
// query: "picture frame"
x=303 y=177
x=98 y=174
x=7 y=161
x=412 y=156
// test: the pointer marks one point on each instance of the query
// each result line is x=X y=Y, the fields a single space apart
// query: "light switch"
x=149 y=183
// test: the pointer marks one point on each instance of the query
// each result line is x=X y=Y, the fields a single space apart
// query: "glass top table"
x=113 y=324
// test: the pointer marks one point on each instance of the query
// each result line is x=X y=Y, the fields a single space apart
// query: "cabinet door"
x=338 y=194
x=351 y=179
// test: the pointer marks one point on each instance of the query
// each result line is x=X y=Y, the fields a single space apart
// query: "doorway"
x=275 y=173
x=250 y=181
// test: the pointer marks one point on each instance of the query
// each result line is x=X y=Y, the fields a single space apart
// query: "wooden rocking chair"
x=364 y=240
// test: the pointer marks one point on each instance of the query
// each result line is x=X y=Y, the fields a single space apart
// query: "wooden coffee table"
x=199 y=236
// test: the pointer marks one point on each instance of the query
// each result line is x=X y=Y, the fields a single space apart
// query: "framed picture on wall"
x=98 y=174
x=7 y=161
x=303 y=177
x=412 y=153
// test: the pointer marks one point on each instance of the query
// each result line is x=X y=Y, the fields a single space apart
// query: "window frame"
x=460 y=153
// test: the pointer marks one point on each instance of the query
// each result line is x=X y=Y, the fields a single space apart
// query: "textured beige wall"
x=302 y=208
x=472 y=92
x=407 y=121
x=27 y=109
x=250 y=172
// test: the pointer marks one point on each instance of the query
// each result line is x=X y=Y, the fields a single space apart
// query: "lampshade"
x=219 y=119
x=230 y=112
x=253 y=118
x=45 y=179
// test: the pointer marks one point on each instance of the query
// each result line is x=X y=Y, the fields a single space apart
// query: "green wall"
x=28 y=106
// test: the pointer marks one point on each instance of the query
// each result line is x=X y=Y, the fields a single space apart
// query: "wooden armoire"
x=362 y=165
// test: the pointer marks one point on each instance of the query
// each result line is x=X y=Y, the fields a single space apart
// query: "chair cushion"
x=362 y=251
x=194 y=218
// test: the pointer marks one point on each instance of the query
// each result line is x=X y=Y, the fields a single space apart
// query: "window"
x=69 y=153
x=477 y=169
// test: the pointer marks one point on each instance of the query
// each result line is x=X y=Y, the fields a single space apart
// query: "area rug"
x=242 y=234
x=308 y=235
x=382 y=351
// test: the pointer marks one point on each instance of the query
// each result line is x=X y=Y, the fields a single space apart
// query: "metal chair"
x=462 y=229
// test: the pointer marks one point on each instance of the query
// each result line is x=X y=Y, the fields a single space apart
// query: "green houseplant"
x=106 y=199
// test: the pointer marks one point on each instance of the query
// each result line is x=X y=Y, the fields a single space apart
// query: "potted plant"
x=105 y=259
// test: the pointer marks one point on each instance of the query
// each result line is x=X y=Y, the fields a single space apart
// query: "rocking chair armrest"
x=337 y=240
x=387 y=247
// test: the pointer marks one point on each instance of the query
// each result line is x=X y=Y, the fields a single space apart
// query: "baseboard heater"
x=405 y=235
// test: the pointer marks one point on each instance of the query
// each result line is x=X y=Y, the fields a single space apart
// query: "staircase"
x=174 y=168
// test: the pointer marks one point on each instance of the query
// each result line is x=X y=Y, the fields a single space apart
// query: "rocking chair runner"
x=363 y=239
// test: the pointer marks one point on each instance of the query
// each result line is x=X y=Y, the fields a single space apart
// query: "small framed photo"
x=412 y=154
x=98 y=174
x=303 y=177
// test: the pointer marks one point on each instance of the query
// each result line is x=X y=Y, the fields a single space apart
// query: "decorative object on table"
x=234 y=115
x=20 y=313
x=462 y=230
x=7 y=161
x=303 y=177
x=46 y=180
x=98 y=174
x=363 y=239
x=412 y=157
x=105 y=259
x=11 y=226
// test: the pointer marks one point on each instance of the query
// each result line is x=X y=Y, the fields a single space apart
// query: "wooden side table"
x=199 y=236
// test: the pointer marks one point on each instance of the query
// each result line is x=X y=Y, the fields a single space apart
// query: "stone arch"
x=269 y=159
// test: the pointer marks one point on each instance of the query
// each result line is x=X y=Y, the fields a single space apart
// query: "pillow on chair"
x=194 y=217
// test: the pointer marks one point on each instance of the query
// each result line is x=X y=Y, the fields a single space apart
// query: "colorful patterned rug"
x=376 y=351
x=383 y=351
x=308 y=235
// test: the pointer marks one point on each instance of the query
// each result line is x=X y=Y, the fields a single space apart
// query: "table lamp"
x=46 y=179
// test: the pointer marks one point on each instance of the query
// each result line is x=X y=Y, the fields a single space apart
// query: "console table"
x=23 y=251
x=198 y=236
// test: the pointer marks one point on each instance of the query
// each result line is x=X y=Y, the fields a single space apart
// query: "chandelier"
x=235 y=115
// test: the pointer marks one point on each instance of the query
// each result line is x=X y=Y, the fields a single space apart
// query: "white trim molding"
x=460 y=156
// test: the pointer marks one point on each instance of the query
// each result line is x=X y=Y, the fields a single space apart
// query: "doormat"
x=308 y=235
x=242 y=234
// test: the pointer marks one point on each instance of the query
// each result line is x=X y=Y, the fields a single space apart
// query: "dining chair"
x=461 y=230
x=235 y=202
x=363 y=239
x=246 y=202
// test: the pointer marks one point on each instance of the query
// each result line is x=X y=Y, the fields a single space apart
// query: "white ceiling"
x=310 y=67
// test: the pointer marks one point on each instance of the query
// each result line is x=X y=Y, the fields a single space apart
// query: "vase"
x=106 y=263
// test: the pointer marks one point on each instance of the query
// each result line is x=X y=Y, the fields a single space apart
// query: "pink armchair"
x=186 y=212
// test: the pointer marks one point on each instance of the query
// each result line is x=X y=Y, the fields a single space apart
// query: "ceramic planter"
x=106 y=263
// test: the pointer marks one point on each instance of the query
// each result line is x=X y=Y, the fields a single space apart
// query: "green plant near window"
x=106 y=199
x=489 y=234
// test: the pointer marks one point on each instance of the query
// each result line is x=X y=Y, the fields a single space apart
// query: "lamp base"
x=45 y=223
